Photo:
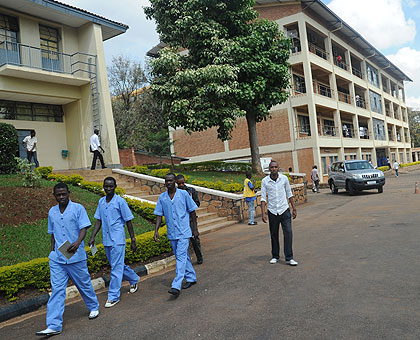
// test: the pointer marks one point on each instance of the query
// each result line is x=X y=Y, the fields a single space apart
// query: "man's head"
x=96 y=132
x=273 y=167
x=248 y=174
x=33 y=133
x=180 y=182
x=170 y=181
x=110 y=184
x=61 y=193
x=314 y=167
x=290 y=169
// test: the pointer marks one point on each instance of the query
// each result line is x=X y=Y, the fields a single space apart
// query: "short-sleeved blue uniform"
x=177 y=216
x=67 y=227
x=113 y=216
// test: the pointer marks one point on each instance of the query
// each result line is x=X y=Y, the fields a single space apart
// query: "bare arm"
x=52 y=242
x=292 y=203
x=194 y=228
x=264 y=211
x=33 y=147
x=74 y=246
x=132 y=236
x=98 y=225
x=158 y=222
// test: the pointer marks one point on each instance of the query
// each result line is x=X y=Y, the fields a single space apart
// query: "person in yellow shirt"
x=250 y=197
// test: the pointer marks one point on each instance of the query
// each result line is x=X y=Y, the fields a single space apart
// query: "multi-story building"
x=53 y=79
x=347 y=99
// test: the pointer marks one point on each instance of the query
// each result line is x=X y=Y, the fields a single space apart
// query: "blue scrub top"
x=177 y=213
x=66 y=227
x=113 y=216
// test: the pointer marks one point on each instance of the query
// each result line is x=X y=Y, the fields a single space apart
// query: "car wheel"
x=350 y=189
x=333 y=188
x=381 y=190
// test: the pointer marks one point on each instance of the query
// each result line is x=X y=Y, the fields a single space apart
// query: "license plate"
x=371 y=182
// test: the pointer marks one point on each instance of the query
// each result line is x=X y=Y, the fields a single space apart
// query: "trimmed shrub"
x=383 y=168
x=9 y=148
x=36 y=273
x=409 y=164
x=44 y=171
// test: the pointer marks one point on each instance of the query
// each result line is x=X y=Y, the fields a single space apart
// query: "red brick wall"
x=198 y=143
x=130 y=158
x=284 y=159
x=272 y=131
x=306 y=161
x=278 y=11
x=127 y=157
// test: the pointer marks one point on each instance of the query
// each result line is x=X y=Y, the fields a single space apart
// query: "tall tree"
x=414 y=125
x=236 y=65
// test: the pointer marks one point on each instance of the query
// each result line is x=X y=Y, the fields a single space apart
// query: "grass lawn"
x=26 y=241
x=214 y=176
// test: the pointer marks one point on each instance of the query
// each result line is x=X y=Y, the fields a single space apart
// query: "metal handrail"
x=357 y=72
x=365 y=134
x=341 y=64
x=323 y=90
x=360 y=102
x=318 y=51
x=344 y=97
x=303 y=131
x=348 y=132
x=329 y=131
x=13 y=53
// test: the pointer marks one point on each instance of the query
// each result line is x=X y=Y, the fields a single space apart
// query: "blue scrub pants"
x=60 y=274
x=184 y=268
x=119 y=270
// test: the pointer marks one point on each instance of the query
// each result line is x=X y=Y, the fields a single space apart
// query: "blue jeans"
x=286 y=224
x=251 y=211
x=30 y=155
x=396 y=172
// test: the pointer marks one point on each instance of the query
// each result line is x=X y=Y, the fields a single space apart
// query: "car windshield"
x=358 y=166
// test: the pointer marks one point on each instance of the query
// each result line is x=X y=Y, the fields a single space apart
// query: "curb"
x=31 y=305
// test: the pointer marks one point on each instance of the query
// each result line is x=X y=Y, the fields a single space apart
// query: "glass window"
x=329 y=127
x=375 y=102
x=304 y=125
x=299 y=83
x=30 y=111
x=8 y=28
x=49 y=39
x=372 y=75
x=379 y=129
x=324 y=165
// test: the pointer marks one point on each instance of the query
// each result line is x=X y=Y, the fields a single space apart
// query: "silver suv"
x=355 y=175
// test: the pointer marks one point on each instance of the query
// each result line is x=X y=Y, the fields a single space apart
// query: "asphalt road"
x=358 y=278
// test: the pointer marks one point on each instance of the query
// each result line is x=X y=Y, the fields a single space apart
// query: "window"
x=304 y=125
x=9 y=51
x=299 y=83
x=30 y=111
x=324 y=166
x=49 y=38
x=329 y=127
x=372 y=75
x=379 y=129
x=375 y=102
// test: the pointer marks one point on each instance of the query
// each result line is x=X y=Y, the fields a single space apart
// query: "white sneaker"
x=47 y=332
x=292 y=262
x=273 y=260
x=93 y=314
x=110 y=303
x=133 y=288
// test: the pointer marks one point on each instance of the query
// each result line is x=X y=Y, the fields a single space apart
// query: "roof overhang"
x=334 y=22
x=64 y=14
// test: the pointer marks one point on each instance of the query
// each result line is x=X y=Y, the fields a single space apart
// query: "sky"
x=389 y=25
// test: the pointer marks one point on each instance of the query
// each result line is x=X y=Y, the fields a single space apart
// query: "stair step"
x=213 y=221
x=211 y=228
x=136 y=192
x=205 y=216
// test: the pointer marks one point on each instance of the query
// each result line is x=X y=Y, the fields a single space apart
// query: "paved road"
x=358 y=278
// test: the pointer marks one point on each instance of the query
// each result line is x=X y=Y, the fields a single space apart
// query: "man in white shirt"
x=95 y=145
x=396 y=167
x=29 y=142
x=276 y=188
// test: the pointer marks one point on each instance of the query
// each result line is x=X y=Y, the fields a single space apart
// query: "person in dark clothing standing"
x=195 y=240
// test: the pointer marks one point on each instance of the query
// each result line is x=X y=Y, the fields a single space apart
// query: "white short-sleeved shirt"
x=278 y=192
x=29 y=142
x=94 y=142
x=396 y=165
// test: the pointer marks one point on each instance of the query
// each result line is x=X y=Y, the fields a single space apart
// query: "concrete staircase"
x=207 y=221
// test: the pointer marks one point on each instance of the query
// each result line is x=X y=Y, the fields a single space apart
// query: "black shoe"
x=253 y=223
x=188 y=285
x=200 y=261
x=174 y=291
x=104 y=167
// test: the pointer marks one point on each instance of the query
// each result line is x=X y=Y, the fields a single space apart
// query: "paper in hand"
x=93 y=249
x=63 y=250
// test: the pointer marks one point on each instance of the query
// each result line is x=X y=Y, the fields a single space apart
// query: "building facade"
x=53 y=79
x=347 y=100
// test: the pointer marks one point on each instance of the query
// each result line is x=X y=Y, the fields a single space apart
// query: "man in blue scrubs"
x=176 y=206
x=112 y=214
x=67 y=221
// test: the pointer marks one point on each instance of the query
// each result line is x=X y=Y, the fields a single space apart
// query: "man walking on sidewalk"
x=177 y=206
x=315 y=179
x=396 y=167
x=67 y=222
x=195 y=240
x=112 y=214
x=95 y=145
x=276 y=188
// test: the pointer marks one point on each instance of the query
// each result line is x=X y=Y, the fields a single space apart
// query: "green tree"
x=236 y=65
x=414 y=125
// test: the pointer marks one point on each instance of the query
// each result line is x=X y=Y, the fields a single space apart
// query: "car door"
x=341 y=177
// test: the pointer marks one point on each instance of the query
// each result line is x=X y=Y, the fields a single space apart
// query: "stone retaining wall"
x=232 y=206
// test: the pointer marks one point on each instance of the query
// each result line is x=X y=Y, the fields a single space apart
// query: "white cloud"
x=139 y=38
x=407 y=59
x=381 y=22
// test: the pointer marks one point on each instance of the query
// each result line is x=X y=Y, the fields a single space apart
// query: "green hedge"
x=9 y=148
x=409 y=164
x=383 y=168
x=207 y=166
x=36 y=273
x=141 y=169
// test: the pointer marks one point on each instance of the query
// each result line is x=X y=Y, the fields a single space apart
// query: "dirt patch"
x=29 y=293
x=24 y=205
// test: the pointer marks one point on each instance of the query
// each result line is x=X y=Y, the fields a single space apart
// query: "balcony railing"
x=341 y=64
x=303 y=131
x=391 y=136
x=364 y=132
x=79 y=64
x=328 y=131
x=344 y=97
x=318 y=51
x=348 y=132
x=357 y=72
x=360 y=102
x=322 y=89
x=388 y=112
x=298 y=89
